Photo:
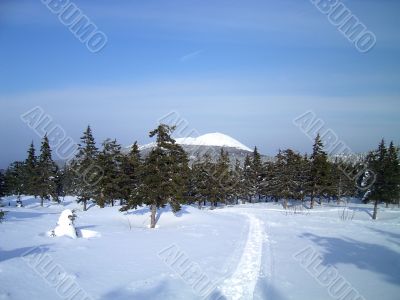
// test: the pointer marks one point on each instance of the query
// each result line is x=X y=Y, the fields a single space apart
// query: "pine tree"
x=258 y=174
x=129 y=180
x=288 y=175
x=47 y=171
x=32 y=174
x=87 y=172
x=237 y=176
x=2 y=194
x=3 y=191
x=15 y=179
x=67 y=180
x=109 y=160
x=222 y=178
x=341 y=184
x=203 y=181
x=392 y=173
x=270 y=183
x=319 y=174
x=378 y=163
x=385 y=163
x=249 y=184
x=165 y=175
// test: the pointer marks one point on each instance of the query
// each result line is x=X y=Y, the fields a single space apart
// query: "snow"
x=247 y=251
x=65 y=225
x=209 y=139
x=213 y=139
x=242 y=283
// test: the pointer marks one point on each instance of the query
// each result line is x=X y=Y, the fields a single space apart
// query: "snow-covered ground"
x=250 y=251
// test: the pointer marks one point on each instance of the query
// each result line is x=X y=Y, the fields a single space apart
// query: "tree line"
x=164 y=176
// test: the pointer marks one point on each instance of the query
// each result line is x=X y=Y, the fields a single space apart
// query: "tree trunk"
x=375 y=210
x=153 y=209
x=84 y=205
x=387 y=204
x=41 y=201
x=112 y=203
x=312 y=202
x=285 y=203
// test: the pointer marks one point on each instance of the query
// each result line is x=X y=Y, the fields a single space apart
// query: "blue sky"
x=243 y=68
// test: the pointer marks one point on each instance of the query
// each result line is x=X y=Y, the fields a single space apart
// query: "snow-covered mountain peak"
x=213 y=139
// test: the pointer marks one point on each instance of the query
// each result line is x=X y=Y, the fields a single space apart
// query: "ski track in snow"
x=242 y=283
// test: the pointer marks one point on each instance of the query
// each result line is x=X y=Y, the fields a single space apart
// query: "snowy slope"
x=209 y=139
x=246 y=252
x=213 y=139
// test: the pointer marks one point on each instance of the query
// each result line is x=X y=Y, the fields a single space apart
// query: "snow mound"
x=66 y=227
x=213 y=139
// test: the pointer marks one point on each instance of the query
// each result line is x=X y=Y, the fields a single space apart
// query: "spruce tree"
x=15 y=179
x=129 y=180
x=109 y=160
x=378 y=162
x=47 y=172
x=385 y=163
x=341 y=184
x=222 y=178
x=288 y=175
x=32 y=174
x=257 y=172
x=270 y=183
x=86 y=170
x=249 y=183
x=2 y=194
x=165 y=175
x=205 y=188
x=392 y=173
x=319 y=173
x=238 y=188
x=3 y=191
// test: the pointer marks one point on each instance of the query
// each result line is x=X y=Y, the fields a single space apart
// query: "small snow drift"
x=66 y=227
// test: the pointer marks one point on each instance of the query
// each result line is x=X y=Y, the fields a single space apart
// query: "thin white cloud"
x=191 y=55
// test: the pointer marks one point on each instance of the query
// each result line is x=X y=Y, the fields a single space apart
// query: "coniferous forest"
x=107 y=176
